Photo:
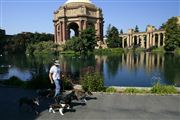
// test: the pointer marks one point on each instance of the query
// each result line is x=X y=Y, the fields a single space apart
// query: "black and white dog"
x=63 y=102
x=31 y=102
x=56 y=106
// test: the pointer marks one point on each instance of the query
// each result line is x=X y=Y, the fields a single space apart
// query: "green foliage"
x=163 y=89
x=135 y=90
x=113 y=39
x=136 y=29
x=66 y=83
x=159 y=49
x=88 y=38
x=177 y=51
x=121 y=31
x=41 y=48
x=114 y=51
x=111 y=90
x=92 y=82
x=131 y=90
x=18 y=43
x=172 y=34
x=84 y=43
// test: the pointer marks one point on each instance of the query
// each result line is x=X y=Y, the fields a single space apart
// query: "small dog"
x=33 y=103
x=66 y=99
x=60 y=107
x=45 y=93
x=81 y=94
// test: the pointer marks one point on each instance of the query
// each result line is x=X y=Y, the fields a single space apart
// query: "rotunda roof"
x=72 y=1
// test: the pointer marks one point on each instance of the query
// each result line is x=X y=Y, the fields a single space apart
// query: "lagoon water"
x=130 y=69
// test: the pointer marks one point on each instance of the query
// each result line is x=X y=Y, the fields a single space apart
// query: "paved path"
x=105 y=107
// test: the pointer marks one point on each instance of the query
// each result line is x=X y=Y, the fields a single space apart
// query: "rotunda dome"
x=72 y=1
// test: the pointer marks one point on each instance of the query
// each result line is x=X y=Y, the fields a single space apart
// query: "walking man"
x=54 y=76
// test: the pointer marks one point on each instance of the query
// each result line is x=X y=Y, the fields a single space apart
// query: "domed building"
x=75 y=16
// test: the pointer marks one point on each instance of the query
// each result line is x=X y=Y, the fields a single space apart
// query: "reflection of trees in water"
x=172 y=68
x=74 y=64
x=113 y=63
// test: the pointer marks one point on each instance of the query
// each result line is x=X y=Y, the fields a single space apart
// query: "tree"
x=108 y=30
x=136 y=29
x=84 y=43
x=172 y=34
x=113 y=40
x=88 y=38
x=121 y=31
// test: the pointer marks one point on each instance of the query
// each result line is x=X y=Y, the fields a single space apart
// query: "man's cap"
x=56 y=62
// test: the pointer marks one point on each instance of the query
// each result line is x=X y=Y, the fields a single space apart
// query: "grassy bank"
x=158 y=50
x=155 y=89
x=114 y=51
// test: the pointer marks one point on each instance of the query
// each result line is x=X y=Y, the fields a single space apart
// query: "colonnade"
x=143 y=39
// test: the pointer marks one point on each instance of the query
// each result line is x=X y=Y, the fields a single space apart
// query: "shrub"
x=66 y=84
x=163 y=89
x=111 y=90
x=131 y=90
x=92 y=82
x=41 y=48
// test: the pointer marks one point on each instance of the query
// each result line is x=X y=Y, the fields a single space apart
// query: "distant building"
x=151 y=37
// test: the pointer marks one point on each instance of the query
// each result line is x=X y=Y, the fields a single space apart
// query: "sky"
x=18 y=16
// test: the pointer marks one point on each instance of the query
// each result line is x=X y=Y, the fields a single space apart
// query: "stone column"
x=132 y=40
x=142 y=41
x=153 y=40
x=61 y=32
x=164 y=39
x=55 y=34
x=64 y=31
x=98 y=29
x=122 y=42
x=150 y=40
x=159 y=38
x=138 y=40
x=128 y=41
x=85 y=24
x=147 y=41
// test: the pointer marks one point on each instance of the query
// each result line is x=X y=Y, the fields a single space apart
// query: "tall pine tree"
x=172 y=34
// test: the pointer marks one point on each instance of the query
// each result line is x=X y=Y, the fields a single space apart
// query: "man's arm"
x=50 y=77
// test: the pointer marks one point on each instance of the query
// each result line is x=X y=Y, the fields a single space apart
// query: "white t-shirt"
x=55 y=72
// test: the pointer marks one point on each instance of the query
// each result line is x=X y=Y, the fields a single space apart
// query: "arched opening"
x=161 y=39
x=73 y=30
x=90 y=25
x=156 y=40
x=135 y=40
x=125 y=43
x=145 y=41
